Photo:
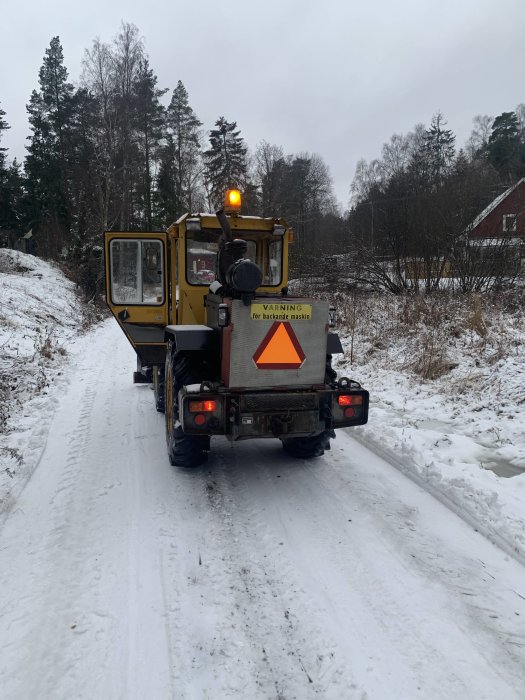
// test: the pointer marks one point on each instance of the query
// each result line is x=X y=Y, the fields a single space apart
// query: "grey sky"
x=336 y=78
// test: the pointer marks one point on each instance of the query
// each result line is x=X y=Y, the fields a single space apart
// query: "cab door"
x=137 y=290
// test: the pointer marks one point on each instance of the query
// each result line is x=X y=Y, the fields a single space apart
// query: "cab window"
x=201 y=252
x=137 y=271
x=272 y=272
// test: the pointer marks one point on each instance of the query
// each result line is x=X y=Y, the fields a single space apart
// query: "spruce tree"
x=149 y=120
x=440 y=148
x=226 y=161
x=182 y=155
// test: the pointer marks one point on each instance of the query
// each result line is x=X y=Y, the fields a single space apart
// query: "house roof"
x=479 y=218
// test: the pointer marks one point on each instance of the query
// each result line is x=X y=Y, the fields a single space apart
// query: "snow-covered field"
x=256 y=576
x=461 y=432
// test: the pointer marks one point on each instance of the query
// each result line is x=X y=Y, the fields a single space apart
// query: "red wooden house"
x=497 y=236
x=504 y=218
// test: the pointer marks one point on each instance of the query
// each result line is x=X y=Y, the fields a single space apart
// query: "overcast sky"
x=333 y=77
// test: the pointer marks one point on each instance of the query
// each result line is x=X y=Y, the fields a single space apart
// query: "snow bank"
x=461 y=434
x=40 y=314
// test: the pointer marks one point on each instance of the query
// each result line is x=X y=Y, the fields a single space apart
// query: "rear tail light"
x=202 y=414
x=350 y=400
x=202 y=406
x=349 y=408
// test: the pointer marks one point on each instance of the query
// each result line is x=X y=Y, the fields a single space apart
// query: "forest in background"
x=118 y=152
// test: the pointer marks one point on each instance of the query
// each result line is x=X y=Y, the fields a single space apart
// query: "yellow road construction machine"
x=229 y=351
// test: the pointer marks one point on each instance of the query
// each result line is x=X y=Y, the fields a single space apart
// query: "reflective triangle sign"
x=279 y=349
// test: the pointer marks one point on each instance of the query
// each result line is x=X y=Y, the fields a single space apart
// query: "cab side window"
x=137 y=271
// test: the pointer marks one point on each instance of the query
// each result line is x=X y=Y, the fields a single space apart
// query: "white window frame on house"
x=509 y=223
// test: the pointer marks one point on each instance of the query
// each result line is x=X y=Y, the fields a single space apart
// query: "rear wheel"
x=308 y=447
x=313 y=445
x=183 y=450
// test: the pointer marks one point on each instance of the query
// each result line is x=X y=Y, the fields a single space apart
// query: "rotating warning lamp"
x=232 y=201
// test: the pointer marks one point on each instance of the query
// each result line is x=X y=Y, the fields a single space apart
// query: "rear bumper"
x=241 y=415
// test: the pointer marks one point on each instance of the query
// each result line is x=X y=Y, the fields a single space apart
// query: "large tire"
x=159 y=390
x=313 y=445
x=308 y=447
x=183 y=450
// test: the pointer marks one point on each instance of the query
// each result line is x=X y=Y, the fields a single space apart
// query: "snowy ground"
x=256 y=576
x=40 y=314
x=461 y=433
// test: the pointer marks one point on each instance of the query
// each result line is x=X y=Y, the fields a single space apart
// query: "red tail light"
x=202 y=406
x=350 y=400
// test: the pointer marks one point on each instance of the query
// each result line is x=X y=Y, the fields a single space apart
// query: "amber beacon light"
x=232 y=201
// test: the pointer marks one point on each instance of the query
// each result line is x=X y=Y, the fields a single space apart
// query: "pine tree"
x=504 y=145
x=47 y=163
x=226 y=161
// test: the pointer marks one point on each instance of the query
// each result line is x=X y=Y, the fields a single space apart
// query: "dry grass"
x=426 y=334
x=431 y=362
x=476 y=320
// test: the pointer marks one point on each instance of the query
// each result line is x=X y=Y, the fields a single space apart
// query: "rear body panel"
x=272 y=342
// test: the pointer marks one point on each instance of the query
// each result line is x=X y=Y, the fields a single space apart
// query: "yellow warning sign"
x=281 y=312
x=279 y=349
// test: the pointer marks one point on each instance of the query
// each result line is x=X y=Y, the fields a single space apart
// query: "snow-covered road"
x=256 y=576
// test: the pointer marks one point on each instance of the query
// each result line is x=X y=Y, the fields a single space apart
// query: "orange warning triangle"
x=279 y=349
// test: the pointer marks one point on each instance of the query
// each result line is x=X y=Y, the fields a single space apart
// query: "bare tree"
x=269 y=171
x=97 y=77
x=479 y=137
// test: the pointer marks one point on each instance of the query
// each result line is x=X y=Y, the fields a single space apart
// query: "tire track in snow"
x=306 y=510
x=301 y=653
x=229 y=625
x=52 y=498
x=72 y=521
